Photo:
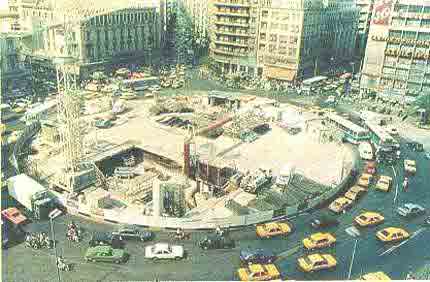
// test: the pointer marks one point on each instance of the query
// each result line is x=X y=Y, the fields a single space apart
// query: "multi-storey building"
x=103 y=35
x=397 y=55
x=365 y=14
x=198 y=11
x=279 y=39
x=234 y=32
x=14 y=76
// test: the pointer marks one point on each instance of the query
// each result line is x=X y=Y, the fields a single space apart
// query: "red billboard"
x=381 y=12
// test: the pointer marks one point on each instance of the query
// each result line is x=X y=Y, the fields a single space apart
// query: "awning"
x=280 y=73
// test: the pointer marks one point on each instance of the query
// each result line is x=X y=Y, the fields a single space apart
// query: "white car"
x=164 y=251
x=393 y=131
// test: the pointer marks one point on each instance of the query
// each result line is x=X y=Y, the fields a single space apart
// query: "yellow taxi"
x=316 y=262
x=258 y=272
x=319 y=240
x=364 y=180
x=19 y=110
x=271 y=229
x=384 y=183
x=340 y=204
x=355 y=193
x=369 y=219
x=392 y=234
x=376 y=276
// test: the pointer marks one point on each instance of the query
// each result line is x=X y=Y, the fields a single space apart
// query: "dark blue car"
x=258 y=256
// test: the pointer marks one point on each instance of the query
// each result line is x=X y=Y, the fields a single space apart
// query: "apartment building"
x=14 y=75
x=103 y=35
x=198 y=11
x=279 y=39
x=365 y=14
x=234 y=30
x=397 y=53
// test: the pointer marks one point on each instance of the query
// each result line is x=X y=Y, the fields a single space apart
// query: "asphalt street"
x=21 y=264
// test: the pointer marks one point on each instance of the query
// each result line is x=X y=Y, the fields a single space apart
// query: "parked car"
x=259 y=272
x=164 y=251
x=340 y=204
x=384 y=183
x=105 y=239
x=324 y=220
x=271 y=229
x=316 y=262
x=319 y=240
x=410 y=209
x=14 y=216
x=369 y=219
x=355 y=192
x=216 y=242
x=132 y=232
x=101 y=123
x=415 y=146
x=392 y=234
x=257 y=256
x=105 y=254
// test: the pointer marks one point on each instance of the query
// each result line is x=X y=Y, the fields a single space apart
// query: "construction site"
x=219 y=154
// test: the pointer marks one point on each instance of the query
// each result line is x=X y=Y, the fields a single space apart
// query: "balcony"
x=230 y=4
x=233 y=14
x=232 y=24
x=231 y=43
x=230 y=53
x=232 y=33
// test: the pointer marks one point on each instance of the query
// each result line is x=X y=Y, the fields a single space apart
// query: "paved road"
x=20 y=264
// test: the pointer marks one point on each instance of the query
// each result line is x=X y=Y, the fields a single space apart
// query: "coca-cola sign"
x=381 y=12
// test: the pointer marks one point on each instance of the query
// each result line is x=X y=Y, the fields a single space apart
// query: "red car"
x=371 y=168
x=14 y=216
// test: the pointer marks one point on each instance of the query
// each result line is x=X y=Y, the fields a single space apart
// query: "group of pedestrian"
x=38 y=241
x=73 y=232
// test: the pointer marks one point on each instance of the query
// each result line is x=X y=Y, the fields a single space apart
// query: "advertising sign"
x=381 y=12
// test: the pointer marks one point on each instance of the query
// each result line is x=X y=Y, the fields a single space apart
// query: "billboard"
x=381 y=12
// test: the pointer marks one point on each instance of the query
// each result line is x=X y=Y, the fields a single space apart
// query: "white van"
x=366 y=151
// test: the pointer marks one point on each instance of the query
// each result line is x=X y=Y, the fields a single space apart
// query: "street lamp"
x=52 y=215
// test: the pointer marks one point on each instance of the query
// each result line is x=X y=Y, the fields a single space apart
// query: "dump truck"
x=30 y=194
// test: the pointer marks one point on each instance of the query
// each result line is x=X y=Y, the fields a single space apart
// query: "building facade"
x=365 y=7
x=198 y=11
x=14 y=75
x=397 y=57
x=101 y=37
x=278 y=39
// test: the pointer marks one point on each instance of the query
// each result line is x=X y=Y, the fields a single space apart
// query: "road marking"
x=390 y=250
x=397 y=186
x=352 y=259
x=289 y=252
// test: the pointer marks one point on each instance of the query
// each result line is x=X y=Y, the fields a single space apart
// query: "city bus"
x=353 y=133
x=380 y=137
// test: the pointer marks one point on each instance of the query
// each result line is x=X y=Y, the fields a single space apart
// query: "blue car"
x=257 y=256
